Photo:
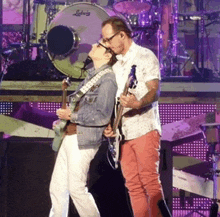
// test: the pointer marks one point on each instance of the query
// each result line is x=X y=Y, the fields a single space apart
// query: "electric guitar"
x=66 y=127
x=60 y=128
x=114 y=142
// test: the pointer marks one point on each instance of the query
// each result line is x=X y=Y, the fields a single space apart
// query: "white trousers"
x=69 y=178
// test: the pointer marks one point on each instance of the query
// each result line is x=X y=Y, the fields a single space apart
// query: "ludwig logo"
x=80 y=13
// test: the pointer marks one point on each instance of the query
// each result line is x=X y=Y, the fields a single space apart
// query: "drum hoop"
x=76 y=3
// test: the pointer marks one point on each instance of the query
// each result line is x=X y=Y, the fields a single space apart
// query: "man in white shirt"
x=140 y=125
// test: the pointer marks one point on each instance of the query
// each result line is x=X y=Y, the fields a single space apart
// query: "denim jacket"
x=95 y=108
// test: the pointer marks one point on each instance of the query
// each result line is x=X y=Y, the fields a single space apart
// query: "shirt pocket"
x=91 y=98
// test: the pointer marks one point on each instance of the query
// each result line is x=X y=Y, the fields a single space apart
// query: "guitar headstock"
x=132 y=77
x=66 y=83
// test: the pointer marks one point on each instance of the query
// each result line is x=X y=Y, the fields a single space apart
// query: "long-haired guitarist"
x=94 y=111
x=140 y=124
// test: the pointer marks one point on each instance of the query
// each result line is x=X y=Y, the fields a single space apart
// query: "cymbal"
x=197 y=15
x=132 y=7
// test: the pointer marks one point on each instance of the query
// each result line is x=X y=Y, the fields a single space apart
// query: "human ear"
x=122 y=34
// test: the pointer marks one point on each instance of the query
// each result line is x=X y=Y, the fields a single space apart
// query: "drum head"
x=84 y=19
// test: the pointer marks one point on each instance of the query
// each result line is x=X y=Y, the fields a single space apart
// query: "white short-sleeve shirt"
x=145 y=119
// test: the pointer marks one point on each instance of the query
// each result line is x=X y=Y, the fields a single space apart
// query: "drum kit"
x=177 y=55
x=63 y=32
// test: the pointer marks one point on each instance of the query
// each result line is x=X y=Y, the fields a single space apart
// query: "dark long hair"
x=113 y=59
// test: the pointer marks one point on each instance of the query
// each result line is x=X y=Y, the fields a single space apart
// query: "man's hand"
x=64 y=114
x=108 y=132
x=130 y=101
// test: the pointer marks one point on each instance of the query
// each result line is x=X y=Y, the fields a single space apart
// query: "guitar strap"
x=75 y=97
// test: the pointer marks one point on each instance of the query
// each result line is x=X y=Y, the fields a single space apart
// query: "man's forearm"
x=149 y=98
x=152 y=95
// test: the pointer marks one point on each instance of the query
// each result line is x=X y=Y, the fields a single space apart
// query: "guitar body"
x=118 y=140
x=59 y=134
x=114 y=148
x=63 y=128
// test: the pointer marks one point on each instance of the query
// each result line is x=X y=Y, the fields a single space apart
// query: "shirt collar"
x=95 y=71
x=129 y=53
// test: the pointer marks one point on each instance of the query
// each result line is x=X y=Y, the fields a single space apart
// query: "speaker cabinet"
x=26 y=168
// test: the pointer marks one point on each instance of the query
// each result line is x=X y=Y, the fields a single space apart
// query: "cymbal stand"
x=160 y=40
x=175 y=41
x=200 y=7
x=172 y=53
x=4 y=69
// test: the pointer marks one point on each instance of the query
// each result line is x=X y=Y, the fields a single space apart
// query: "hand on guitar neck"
x=62 y=126
x=127 y=100
x=130 y=101
x=64 y=113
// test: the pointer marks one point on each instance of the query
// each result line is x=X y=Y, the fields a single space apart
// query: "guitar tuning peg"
x=68 y=81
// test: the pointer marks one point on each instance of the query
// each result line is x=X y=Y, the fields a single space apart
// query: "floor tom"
x=132 y=6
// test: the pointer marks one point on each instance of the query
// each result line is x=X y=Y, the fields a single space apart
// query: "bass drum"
x=71 y=35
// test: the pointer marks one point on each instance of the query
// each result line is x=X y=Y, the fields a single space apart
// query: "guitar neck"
x=64 y=96
x=118 y=118
x=66 y=82
x=120 y=109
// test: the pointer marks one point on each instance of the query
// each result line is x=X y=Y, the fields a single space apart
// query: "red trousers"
x=139 y=163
